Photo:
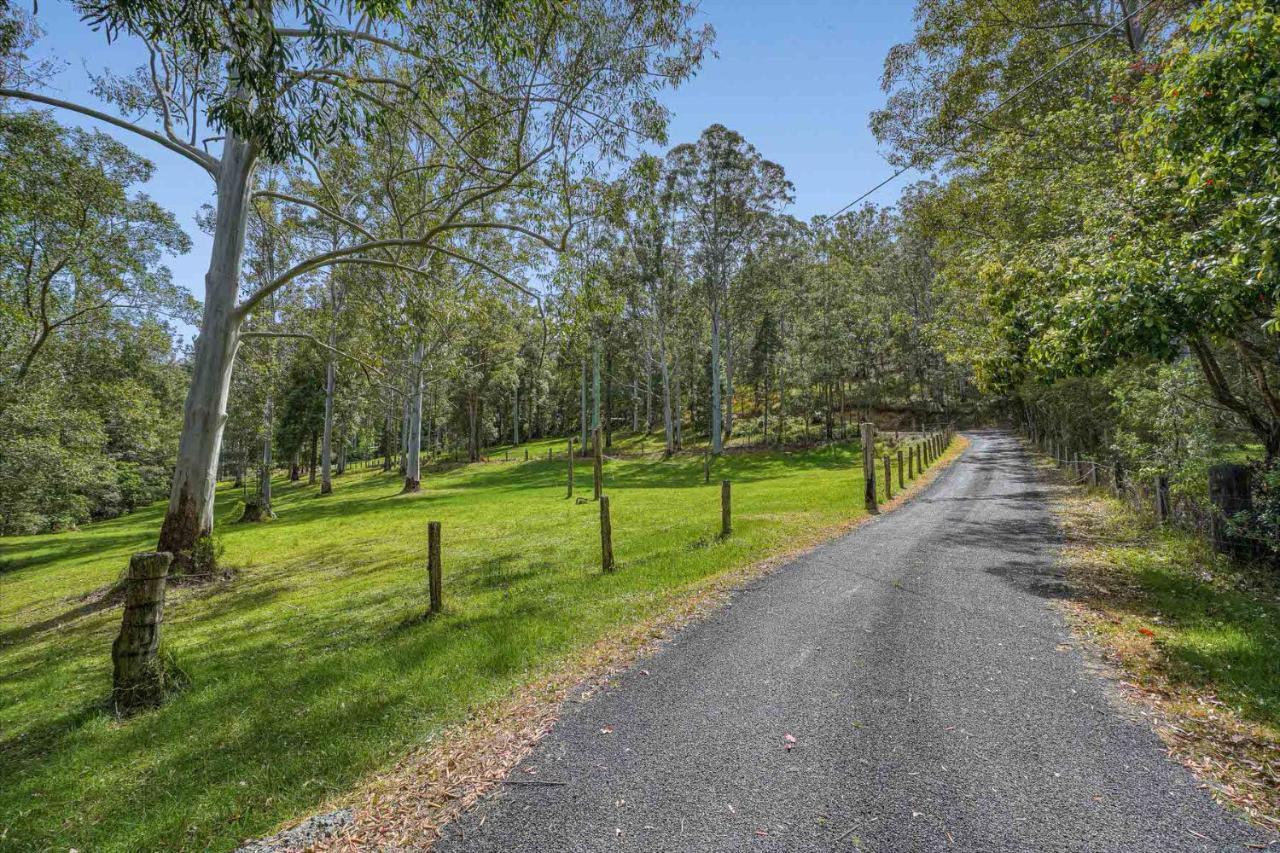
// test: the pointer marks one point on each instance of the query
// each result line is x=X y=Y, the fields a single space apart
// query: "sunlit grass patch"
x=1197 y=636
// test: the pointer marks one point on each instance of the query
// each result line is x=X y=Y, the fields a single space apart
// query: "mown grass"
x=312 y=667
x=1197 y=634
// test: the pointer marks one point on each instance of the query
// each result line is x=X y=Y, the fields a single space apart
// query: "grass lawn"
x=1195 y=633
x=310 y=669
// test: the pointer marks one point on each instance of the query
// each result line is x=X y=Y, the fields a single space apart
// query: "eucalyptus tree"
x=654 y=242
x=728 y=191
x=499 y=99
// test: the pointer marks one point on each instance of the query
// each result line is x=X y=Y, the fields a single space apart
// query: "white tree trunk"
x=728 y=379
x=412 y=473
x=190 y=513
x=668 y=427
x=582 y=409
x=326 y=445
x=717 y=439
x=264 y=490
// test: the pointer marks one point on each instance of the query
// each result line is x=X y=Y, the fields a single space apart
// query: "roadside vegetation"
x=1194 y=638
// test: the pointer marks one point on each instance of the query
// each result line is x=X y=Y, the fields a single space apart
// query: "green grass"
x=1214 y=624
x=309 y=670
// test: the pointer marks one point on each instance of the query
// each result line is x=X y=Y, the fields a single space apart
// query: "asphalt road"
x=936 y=701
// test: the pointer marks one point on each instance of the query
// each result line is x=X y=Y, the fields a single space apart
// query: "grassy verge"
x=1194 y=637
x=312 y=668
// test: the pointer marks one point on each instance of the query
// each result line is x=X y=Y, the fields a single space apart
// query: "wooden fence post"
x=569 y=494
x=1117 y=477
x=726 y=516
x=869 y=466
x=911 y=462
x=598 y=465
x=606 y=536
x=434 y=580
x=1093 y=473
x=901 y=476
x=888 y=478
x=137 y=679
x=526 y=454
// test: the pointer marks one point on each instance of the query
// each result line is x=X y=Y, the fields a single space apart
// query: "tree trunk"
x=717 y=440
x=608 y=399
x=582 y=409
x=595 y=385
x=728 y=380
x=264 y=484
x=668 y=428
x=386 y=441
x=189 y=516
x=330 y=384
x=473 y=427
x=413 y=452
x=315 y=448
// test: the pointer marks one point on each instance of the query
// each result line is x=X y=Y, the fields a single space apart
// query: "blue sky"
x=797 y=79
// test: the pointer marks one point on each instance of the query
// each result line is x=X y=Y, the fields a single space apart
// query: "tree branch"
x=206 y=161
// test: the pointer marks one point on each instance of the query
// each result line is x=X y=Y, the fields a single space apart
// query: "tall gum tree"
x=498 y=98
x=729 y=191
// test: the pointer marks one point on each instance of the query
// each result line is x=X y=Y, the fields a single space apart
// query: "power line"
x=1007 y=99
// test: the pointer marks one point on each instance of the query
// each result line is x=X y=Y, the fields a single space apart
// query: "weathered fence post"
x=869 y=466
x=598 y=465
x=726 y=515
x=569 y=494
x=434 y=580
x=911 y=462
x=1229 y=493
x=606 y=536
x=1117 y=477
x=1093 y=473
x=901 y=475
x=888 y=478
x=137 y=679
x=1162 y=498
x=526 y=454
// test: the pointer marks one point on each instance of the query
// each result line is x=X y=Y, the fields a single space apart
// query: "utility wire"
x=1006 y=100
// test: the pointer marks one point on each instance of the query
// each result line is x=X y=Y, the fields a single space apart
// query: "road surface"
x=936 y=700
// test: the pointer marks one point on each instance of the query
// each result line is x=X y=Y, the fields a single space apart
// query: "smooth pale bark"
x=404 y=430
x=264 y=487
x=595 y=386
x=717 y=439
x=677 y=420
x=608 y=401
x=668 y=427
x=728 y=379
x=413 y=455
x=190 y=513
x=582 y=408
x=330 y=384
x=386 y=441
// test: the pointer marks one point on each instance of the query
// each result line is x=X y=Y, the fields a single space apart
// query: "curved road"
x=936 y=700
